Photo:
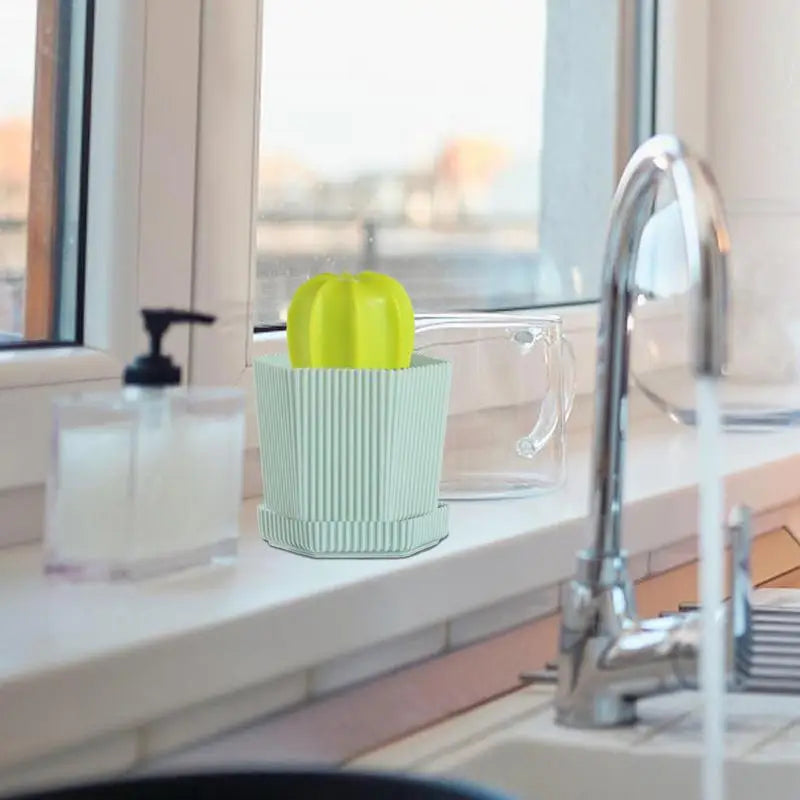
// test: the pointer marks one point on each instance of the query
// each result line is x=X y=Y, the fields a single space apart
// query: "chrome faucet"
x=608 y=657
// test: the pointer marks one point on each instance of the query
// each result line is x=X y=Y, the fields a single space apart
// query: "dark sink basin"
x=273 y=786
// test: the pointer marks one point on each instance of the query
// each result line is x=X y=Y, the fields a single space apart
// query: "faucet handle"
x=740 y=614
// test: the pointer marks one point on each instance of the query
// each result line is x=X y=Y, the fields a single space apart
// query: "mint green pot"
x=351 y=458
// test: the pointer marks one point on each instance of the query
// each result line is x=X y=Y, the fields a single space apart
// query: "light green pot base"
x=354 y=539
x=351 y=458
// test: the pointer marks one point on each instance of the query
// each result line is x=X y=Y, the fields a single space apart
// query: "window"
x=277 y=191
x=45 y=56
x=112 y=238
x=410 y=138
x=156 y=162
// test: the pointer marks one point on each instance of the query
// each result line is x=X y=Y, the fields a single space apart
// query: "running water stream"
x=712 y=559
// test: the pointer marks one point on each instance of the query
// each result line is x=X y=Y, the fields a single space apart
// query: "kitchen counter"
x=514 y=745
x=140 y=669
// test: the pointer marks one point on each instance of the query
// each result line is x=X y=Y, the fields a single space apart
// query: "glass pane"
x=43 y=57
x=406 y=138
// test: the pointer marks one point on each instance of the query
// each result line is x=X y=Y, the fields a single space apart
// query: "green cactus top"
x=362 y=321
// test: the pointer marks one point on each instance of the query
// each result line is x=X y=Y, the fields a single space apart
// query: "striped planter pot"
x=351 y=458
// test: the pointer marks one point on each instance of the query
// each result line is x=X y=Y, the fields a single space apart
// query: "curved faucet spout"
x=707 y=245
x=607 y=656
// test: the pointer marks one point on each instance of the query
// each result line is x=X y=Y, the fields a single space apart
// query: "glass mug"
x=512 y=393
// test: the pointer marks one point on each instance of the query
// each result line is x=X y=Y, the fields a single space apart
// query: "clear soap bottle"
x=149 y=479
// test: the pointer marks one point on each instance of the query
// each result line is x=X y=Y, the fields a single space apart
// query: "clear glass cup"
x=511 y=395
x=760 y=390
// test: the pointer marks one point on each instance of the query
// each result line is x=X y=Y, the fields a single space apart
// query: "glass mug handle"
x=541 y=433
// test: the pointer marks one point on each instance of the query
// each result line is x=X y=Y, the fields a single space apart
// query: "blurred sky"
x=379 y=84
x=354 y=85
x=17 y=43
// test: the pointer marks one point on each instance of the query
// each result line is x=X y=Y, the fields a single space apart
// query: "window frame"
x=225 y=230
x=139 y=239
x=45 y=181
x=175 y=85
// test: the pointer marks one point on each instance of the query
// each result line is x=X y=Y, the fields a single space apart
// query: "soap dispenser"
x=148 y=479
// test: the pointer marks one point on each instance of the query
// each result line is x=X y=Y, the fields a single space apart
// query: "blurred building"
x=15 y=165
x=470 y=179
x=460 y=232
x=464 y=172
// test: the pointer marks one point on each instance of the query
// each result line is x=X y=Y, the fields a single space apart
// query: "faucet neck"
x=707 y=243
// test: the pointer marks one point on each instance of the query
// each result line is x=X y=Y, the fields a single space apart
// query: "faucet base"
x=606 y=711
x=608 y=656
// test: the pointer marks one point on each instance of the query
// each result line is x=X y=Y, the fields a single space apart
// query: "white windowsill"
x=55 y=366
x=82 y=661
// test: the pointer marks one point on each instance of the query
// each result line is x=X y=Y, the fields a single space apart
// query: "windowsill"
x=84 y=661
x=56 y=365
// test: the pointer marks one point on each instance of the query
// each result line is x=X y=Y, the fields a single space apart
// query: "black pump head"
x=155 y=369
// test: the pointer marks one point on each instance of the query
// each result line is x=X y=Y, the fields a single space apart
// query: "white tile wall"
x=221 y=714
x=502 y=616
x=765 y=337
x=753 y=115
x=375 y=660
x=755 y=153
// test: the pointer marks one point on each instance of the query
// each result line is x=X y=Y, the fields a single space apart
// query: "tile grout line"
x=654 y=730
x=770 y=738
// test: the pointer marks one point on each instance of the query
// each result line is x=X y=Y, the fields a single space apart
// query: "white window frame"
x=139 y=247
x=175 y=100
x=226 y=190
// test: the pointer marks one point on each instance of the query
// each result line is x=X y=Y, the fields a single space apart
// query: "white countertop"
x=81 y=660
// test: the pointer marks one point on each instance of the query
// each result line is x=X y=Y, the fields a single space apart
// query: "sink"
x=576 y=773
x=514 y=745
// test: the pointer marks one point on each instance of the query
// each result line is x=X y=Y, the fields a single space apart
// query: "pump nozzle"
x=155 y=369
